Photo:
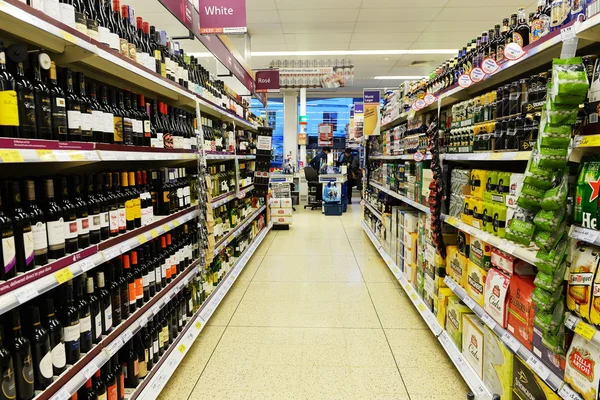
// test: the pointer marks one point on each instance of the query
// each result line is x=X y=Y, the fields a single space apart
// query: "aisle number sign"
x=372 y=121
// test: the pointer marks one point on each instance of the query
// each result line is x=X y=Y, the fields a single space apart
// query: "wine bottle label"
x=147 y=128
x=137 y=208
x=94 y=222
x=164 y=270
x=104 y=220
x=146 y=280
x=97 y=121
x=122 y=219
x=67 y=14
x=59 y=358
x=74 y=119
x=114 y=221
x=155 y=346
x=129 y=210
x=85 y=324
x=87 y=122
x=132 y=292
x=138 y=126
x=9 y=106
x=118 y=130
x=98 y=325
x=80 y=22
x=70 y=229
x=139 y=288
x=45 y=366
x=9 y=389
x=28 y=369
x=83 y=225
x=52 y=9
x=93 y=29
x=112 y=393
x=56 y=234
x=104 y=35
x=9 y=253
x=103 y=396
x=127 y=130
x=72 y=333
x=115 y=42
x=28 y=246
x=108 y=318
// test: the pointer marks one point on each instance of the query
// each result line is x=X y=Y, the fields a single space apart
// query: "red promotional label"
x=418 y=156
x=477 y=75
x=489 y=66
x=513 y=51
x=430 y=99
x=421 y=103
x=465 y=81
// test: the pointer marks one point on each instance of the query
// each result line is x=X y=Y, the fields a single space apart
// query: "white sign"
x=513 y=51
x=489 y=66
x=477 y=75
x=264 y=143
x=465 y=81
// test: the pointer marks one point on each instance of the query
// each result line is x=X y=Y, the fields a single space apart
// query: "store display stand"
x=281 y=200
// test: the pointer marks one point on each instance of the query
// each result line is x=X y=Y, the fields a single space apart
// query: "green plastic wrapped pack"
x=545 y=300
x=555 y=342
x=537 y=175
x=557 y=114
x=520 y=229
x=550 y=321
x=547 y=240
x=549 y=220
x=556 y=197
x=529 y=202
x=553 y=135
x=551 y=282
x=549 y=261
x=503 y=182
x=553 y=157
x=569 y=81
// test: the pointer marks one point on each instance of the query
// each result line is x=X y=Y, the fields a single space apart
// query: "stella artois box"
x=583 y=268
x=521 y=312
x=475 y=283
x=582 y=370
x=473 y=342
x=496 y=292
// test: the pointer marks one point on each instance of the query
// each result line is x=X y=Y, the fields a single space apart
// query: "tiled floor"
x=316 y=314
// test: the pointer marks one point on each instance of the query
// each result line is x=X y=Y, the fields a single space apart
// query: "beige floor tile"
x=394 y=308
x=187 y=374
x=266 y=243
x=377 y=380
x=224 y=312
x=308 y=268
x=374 y=269
x=250 y=269
x=417 y=348
x=448 y=381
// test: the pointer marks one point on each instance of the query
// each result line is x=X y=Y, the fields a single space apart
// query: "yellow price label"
x=496 y=156
x=421 y=307
x=584 y=330
x=76 y=156
x=68 y=37
x=166 y=227
x=153 y=233
x=181 y=348
x=63 y=275
x=414 y=296
x=46 y=155
x=452 y=221
x=11 y=156
x=590 y=141
x=176 y=223
x=142 y=239
x=198 y=325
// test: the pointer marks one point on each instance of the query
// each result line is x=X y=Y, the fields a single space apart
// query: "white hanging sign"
x=464 y=81
x=513 y=51
x=477 y=75
x=489 y=66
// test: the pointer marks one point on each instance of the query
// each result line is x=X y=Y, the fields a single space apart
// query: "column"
x=290 y=126
x=303 y=127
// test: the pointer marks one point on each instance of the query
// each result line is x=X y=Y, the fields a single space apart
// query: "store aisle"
x=316 y=314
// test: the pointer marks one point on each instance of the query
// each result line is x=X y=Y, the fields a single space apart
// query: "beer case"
x=581 y=280
x=480 y=253
x=582 y=370
x=497 y=365
x=487 y=218
x=496 y=292
x=586 y=193
x=443 y=297
x=527 y=385
x=454 y=320
x=473 y=342
x=521 y=311
x=478 y=182
x=510 y=264
x=500 y=213
x=467 y=214
x=456 y=265
x=477 y=220
x=475 y=283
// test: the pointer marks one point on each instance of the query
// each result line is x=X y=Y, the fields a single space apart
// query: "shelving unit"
x=398 y=157
x=499 y=156
x=224 y=242
x=374 y=211
x=408 y=201
x=469 y=375
x=156 y=380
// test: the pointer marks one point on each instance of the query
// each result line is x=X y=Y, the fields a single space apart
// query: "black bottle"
x=41 y=351
x=105 y=303
x=7 y=371
x=41 y=94
x=20 y=348
x=38 y=225
x=8 y=261
x=95 y=310
x=123 y=286
x=104 y=207
x=69 y=215
x=26 y=103
x=57 y=339
x=131 y=365
x=94 y=204
x=54 y=223
x=8 y=128
x=21 y=227
x=81 y=210
x=115 y=293
x=86 y=338
x=70 y=321
x=73 y=109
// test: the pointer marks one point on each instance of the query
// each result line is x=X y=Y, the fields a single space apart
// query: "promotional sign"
x=302 y=139
x=267 y=81
x=316 y=77
x=359 y=110
x=372 y=121
x=325 y=135
x=219 y=17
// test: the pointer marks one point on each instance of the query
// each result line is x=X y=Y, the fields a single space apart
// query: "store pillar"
x=290 y=127
x=303 y=126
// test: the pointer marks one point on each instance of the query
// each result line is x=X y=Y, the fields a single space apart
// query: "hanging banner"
x=325 y=135
x=223 y=17
x=372 y=120
x=359 y=110
x=267 y=81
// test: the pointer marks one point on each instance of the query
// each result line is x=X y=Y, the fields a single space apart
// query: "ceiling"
x=300 y=25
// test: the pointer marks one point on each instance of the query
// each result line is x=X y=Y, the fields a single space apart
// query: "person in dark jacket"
x=320 y=159
x=352 y=161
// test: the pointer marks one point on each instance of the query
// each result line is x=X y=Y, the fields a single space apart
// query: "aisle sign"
x=219 y=17
x=372 y=122
x=359 y=119
x=267 y=81
x=325 y=135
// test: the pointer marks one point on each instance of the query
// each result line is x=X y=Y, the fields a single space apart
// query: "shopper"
x=352 y=160
x=320 y=159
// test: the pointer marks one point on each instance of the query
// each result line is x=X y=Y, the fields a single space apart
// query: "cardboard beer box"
x=473 y=342
x=510 y=264
x=554 y=362
x=527 y=385
x=443 y=297
x=480 y=253
x=521 y=312
x=478 y=182
x=497 y=365
x=496 y=292
x=586 y=206
x=456 y=265
x=582 y=371
x=411 y=222
x=581 y=280
x=475 y=283
x=454 y=320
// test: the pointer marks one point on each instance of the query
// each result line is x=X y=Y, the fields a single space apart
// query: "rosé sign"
x=218 y=17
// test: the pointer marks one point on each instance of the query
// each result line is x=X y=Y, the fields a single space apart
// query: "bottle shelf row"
x=76 y=376
x=484 y=156
x=516 y=250
x=469 y=375
x=35 y=27
x=536 y=365
x=23 y=288
x=408 y=201
x=406 y=157
x=374 y=211
x=227 y=197
x=156 y=380
x=536 y=55
x=224 y=242
x=228 y=156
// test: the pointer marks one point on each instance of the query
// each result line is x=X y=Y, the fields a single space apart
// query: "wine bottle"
x=7 y=371
x=104 y=206
x=57 y=339
x=70 y=322
x=92 y=19
x=120 y=197
x=94 y=204
x=110 y=382
x=81 y=210
x=38 y=225
x=127 y=121
x=69 y=215
x=98 y=129
x=80 y=16
x=137 y=121
x=128 y=198
x=148 y=347
x=105 y=303
x=113 y=209
x=26 y=104
x=21 y=227
x=9 y=125
x=138 y=276
x=95 y=310
x=87 y=392
x=73 y=109
x=20 y=348
x=8 y=250
x=41 y=351
x=131 y=366
x=113 y=274
x=131 y=283
x=117 y=118
x=55 y=224
x=136 y=201
x=41 y=94
x=154 y=325
x=141 y=353
x=119 y=376
x=108 y=117
x=123 y=280
x=58 y=106
x=86 y=338
x=87 y=119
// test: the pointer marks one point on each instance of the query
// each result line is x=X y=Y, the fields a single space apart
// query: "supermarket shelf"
x=42 y=279
x=408 y=201
x=499 y=156
x=582 y=328
x=211 y=108
x=246 y=157
x=156 y=380
x=410 y=157
x=220 y=156
x=374 y=211
x=76 y=376
x=516 y=250
x=468 y=374
x=236 y=232
x=585 y=234
x=227 y=197
x=395 y=122
x=536 y=365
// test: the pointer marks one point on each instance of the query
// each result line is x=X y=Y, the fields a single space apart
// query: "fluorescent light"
x=408 y=78
x=349 y=52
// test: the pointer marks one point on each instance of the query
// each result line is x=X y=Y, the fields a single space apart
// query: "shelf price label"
x=26 y=293
x=89 y=370
x=567 y=393
x=11 y=156
x=511 y=342
x=489 y=321
x=469 y=302
x=181 y=348
x=571 y=321
x=584 y=330
x=63 y=275
x=489 y=66
x=62 y=394
x=540 y=369
x=142 y=238
x=477 y=75
x=586 y=235
x=153 y=233
x=198 y=325
x=513 y=51
x=46 y=155
x=464 y=81
x=86 y=264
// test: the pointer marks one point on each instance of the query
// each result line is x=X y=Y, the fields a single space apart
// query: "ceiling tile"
x=407 y=26
x=316 y=4
x=411 y=71
x=379 y=4
x=376 y=59
x=268 y=39
x=486 y=3
x=394 y=14
x=422 y=45
x=316 y=27
x=362 y=71
x=255 y=29
x=317 y=46
x=261 y=5
x=373 y=38
x=325 y=15
x=381 y=46
x=460 y=37
x=268 y=47
x=322 y=37
x=456 y=26
x=465 y=14
x=263 y=16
